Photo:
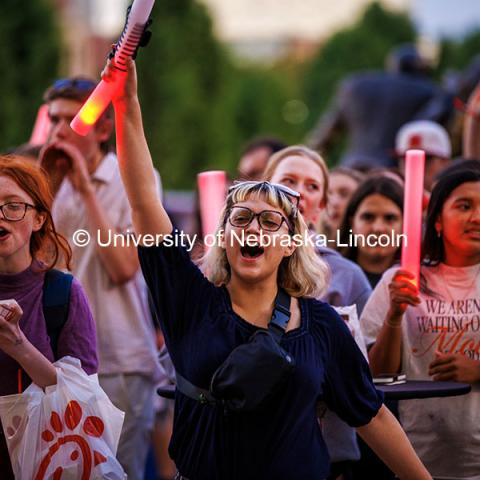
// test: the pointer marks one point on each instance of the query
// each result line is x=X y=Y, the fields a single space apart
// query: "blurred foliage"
x=200 y=105
x=179 y=75
x=251 y=101
x=199 y=108
x=457 y=54
x=29 y=56
x=459 y=69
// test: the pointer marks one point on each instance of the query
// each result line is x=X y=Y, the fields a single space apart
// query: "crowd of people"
x=273 y=346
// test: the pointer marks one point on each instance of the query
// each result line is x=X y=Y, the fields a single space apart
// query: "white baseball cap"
x=424 y=135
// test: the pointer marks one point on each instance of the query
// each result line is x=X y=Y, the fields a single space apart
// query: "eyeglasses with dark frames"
x=268 y=220
x=15 y=211
x=291 y=194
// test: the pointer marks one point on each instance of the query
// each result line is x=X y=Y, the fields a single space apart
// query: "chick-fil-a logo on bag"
x=92 y=426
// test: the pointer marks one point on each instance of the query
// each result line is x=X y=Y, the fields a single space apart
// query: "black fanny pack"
x=254 y=372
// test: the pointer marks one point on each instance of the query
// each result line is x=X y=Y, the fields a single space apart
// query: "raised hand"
x=402 y=293
x=56 y=164
x=61 y=159
x=10 y=333
x=127 y=81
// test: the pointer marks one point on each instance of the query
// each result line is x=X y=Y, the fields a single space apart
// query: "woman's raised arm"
x=135 y=161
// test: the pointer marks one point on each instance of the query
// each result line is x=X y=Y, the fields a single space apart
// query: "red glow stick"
x=212 y=190
x=96 y=104
x=41 y=128
x=412 y=212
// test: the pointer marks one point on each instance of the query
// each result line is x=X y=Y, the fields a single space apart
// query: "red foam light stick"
x=212 y=189
x=138 y=16
x=41 y=128
x=412 y=212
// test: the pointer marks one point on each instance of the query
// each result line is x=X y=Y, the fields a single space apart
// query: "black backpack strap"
x=56 y=302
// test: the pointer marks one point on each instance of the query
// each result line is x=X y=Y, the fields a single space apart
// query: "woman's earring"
x=439 y=233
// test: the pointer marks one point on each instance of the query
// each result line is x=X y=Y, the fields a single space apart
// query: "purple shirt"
x=77 y=338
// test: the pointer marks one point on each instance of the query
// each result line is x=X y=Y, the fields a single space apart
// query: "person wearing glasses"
x=90 y=198
x=206 y=313
x=29 y=247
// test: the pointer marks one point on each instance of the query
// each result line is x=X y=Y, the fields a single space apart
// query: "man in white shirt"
x=90 y=199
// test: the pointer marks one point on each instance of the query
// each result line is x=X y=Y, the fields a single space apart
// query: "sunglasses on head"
x=292 y=195
x=76 y=83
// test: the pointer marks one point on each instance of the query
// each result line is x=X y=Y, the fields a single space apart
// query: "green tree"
x=180 y=73
x=199 y=106
x=457 y=54
x=29 y=55
x=252 y=103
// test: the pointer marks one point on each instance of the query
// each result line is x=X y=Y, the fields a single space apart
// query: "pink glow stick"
x=92 y=109
x=41 y=128
x=212 y=189
x=412 y=212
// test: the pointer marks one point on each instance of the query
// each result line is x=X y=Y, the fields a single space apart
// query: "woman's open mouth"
x=251 y=251
x=3 y=233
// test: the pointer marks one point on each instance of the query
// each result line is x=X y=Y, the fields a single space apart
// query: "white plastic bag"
x=68 y=432
x=350 y=316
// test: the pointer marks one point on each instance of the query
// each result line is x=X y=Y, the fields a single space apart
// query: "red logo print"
x=415 y=141
x=92 y=426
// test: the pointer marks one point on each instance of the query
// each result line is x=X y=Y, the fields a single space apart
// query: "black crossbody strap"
x=280 y=316
x=199 y=394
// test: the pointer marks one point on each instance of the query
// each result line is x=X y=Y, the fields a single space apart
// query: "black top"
x=283 y=441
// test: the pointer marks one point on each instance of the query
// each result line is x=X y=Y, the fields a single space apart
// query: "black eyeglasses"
x=269 y=220
x=293 y=196
x=15 y=211
x=77 y=83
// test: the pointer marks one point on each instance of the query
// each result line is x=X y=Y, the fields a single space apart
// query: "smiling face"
x=459 y=224
x=15 y=236
x=258 y=259
x=306 y=177
x=377 y=215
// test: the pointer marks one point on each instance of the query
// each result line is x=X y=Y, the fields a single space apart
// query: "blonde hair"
x=300 y=151
x=303 y=274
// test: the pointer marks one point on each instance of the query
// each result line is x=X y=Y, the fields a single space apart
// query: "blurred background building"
x=270 y=29
x=258 y=30
x=255 y=30
x=88 y=28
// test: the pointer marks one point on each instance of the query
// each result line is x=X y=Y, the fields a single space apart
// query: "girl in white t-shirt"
x=434 y=333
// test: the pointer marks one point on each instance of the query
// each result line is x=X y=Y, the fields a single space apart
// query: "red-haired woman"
x=29 y=247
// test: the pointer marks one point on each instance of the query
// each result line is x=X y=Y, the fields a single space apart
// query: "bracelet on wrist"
x=393 y=325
